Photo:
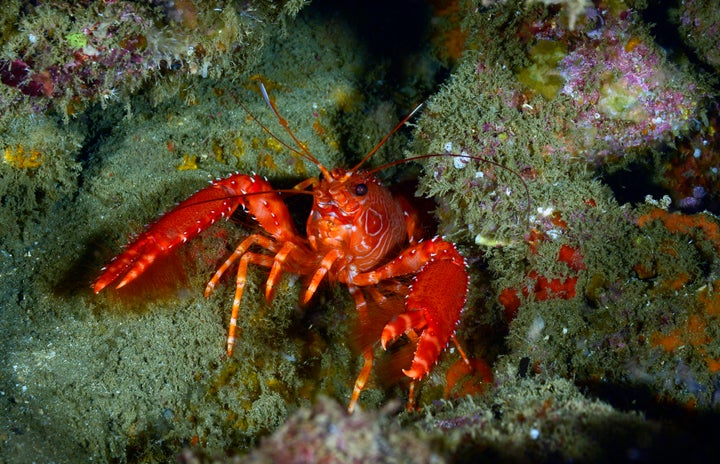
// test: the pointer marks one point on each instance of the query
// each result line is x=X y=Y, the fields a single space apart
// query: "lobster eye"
x=361 y=190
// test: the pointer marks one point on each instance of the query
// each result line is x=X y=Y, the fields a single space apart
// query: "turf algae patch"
x=526 y=418
x=626 y=308
x=39 y=168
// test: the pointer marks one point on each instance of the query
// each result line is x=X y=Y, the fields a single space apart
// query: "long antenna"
x=382 y=142
x=304 y=152
x=479 y=159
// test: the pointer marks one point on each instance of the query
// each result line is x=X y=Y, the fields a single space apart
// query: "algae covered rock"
x=66 y=55
x=591 y=321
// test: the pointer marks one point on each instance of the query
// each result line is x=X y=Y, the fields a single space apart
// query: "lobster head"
x=353 y=210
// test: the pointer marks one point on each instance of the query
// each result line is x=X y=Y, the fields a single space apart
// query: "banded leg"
x=325 y=265
x=368 y=352
x=255 y=258
x=241 y=253
x=277 y=268
x=255 y=239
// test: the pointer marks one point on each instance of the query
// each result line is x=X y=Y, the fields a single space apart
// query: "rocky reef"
x=584 y=202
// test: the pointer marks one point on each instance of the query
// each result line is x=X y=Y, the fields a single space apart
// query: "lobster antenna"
x=385 y=139
x=269 y=132
x=479 y=159
x=304 y=152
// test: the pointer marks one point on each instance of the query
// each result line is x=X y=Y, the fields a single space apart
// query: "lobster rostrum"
x=355 y=229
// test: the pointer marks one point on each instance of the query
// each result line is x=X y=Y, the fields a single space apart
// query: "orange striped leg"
x=260 y=260
x=411 y=397
x=276 y=270
x=364 y=375
x=362 y=378
x=324 y=267
x=261 y=240
x=360 y=303
x=464 y=357
x=411 y=403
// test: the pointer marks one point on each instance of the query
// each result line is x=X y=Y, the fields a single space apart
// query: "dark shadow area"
x=673 y=432
x=633 y=184
x=664 y=23
x=396 y=37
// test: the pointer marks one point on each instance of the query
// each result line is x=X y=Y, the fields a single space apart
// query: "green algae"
x=140 y=383
x=542 y=76
x=147 y=378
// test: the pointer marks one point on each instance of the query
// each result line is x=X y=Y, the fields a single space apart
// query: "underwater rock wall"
x=592 y=314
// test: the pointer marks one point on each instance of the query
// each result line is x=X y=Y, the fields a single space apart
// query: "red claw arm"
x=434 y=304
x=194 y=215
x=436 y=299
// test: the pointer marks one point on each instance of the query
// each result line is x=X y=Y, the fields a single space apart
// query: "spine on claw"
x=434 y=303
x=183 y=223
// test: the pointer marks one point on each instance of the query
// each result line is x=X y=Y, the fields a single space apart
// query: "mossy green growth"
x=542 y=76
x=76 y=39
x=526 y=417
x=38 y=167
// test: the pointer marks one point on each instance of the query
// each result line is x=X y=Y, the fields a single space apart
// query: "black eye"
x=361 y=190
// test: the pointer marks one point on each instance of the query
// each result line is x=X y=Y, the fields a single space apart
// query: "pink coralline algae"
x=625 y=92
x=67 y=54
x=80 y=64
x=18 y=74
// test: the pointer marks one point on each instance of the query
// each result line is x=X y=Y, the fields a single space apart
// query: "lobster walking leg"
x=240 y=250
x=368 y=352
x=255 y=258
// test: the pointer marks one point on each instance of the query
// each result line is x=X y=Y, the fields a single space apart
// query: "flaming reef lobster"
x=357 y=234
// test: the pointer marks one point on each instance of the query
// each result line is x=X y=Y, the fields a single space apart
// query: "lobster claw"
x=194 y=215
x=433 y=308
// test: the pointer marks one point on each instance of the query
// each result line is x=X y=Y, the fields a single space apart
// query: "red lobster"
x=354 y=232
